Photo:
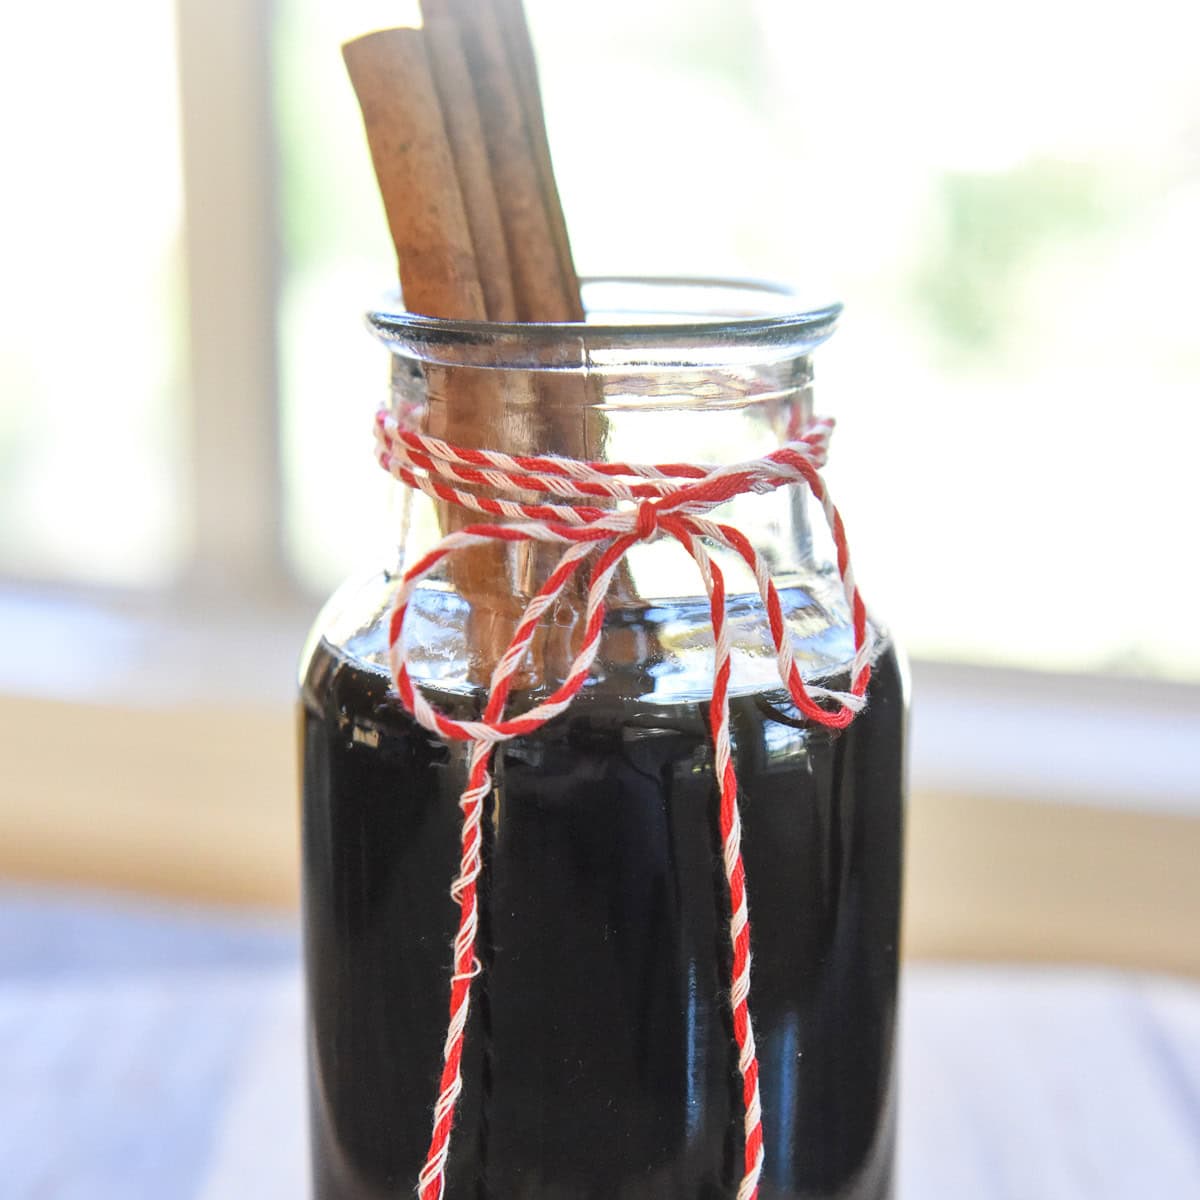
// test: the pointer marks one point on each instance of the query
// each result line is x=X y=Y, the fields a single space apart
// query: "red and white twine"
x=671 y=499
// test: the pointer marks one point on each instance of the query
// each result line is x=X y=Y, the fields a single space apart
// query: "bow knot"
x=646 y=525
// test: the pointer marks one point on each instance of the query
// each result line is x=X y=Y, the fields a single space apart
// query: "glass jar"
x=599 y=1061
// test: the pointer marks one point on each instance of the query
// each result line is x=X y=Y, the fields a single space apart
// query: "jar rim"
x=633 y=323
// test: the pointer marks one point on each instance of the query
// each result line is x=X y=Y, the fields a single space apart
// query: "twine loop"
x=671 y=499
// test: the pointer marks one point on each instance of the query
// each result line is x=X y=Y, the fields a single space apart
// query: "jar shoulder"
x=659 y=652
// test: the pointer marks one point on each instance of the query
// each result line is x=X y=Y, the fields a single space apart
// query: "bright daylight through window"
x=91 y=410
x=1017 y=363
x=1019 y=341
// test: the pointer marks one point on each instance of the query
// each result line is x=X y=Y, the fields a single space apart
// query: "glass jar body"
x=599 y=1058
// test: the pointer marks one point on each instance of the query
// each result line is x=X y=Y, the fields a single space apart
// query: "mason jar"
x=599 y=1060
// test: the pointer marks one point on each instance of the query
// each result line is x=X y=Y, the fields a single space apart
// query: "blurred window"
x=1005 y=198
x=91 y=316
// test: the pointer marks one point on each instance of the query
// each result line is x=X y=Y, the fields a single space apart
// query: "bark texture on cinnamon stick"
x=410 y=149
x=454 y=121
x=468 y=148
x=511 y=16
x=543 y=292
x=416 y=166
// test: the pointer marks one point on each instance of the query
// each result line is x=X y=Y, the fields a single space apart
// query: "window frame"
x=233 y=266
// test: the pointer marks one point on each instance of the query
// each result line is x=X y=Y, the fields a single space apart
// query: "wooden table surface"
x=156 y=1055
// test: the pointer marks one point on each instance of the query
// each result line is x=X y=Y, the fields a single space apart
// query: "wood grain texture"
x=1048 y=1084
x=144 y=1065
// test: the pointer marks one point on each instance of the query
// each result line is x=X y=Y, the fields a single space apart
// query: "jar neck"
x=703 y=416
x=663 y=371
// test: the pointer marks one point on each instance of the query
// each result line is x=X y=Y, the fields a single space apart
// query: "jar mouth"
x=651 y=323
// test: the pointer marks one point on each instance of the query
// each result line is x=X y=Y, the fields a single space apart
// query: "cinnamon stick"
x=542 y=294
x=468 y=148
x=454 y=122
x=510 y=15
x=406 y=133
x=571 y=421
